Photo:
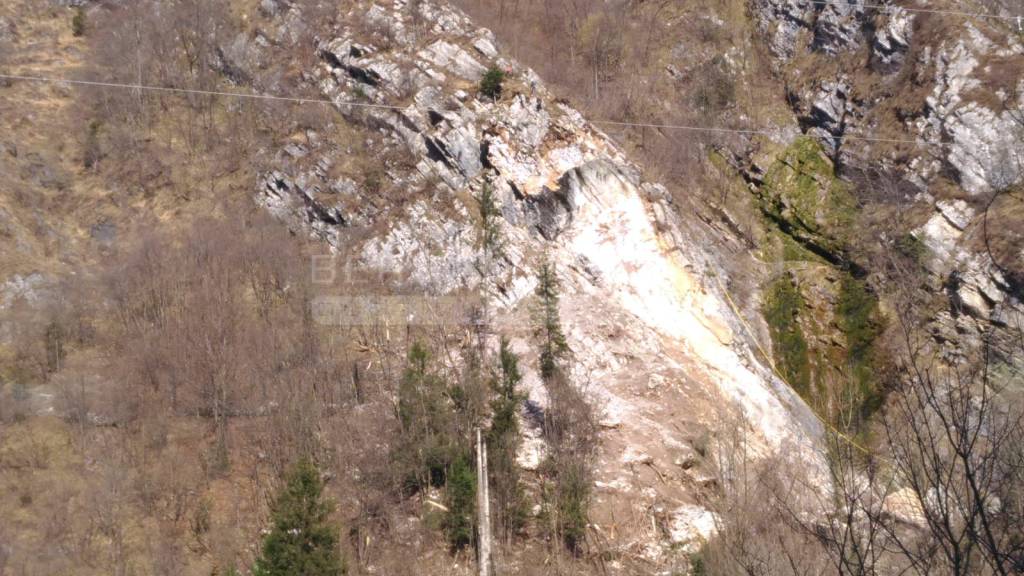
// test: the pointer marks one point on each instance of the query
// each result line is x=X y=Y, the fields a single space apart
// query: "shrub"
x=697 y=567
x=54 y=341
x=716 y=88
x=490 y=84
x=570 y=429
x=573 y=501
x=91 y=149
x=78 y=22
x=199 y=524
x=911 y=247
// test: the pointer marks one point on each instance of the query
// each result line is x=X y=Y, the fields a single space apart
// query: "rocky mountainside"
x=934 y=101
x=764 y=217
x=875 y=170
x=656 y=346
x=911 y=119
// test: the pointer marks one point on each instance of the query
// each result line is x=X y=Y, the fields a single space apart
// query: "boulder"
x=31 y=289
x=892 y=39
x=783 y=23
x=957 y=212
x=838 y=26
x=979 y=287
x=463 y=148
x=485 y=46
x=905 y=506
x=691 y=526
x=444 y=54
x=940 y=237
x=272 y=8
x=237 y=60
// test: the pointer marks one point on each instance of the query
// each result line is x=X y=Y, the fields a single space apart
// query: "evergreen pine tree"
x=491 y=83
x=490 y=229
x=461 y=495
x=302 y=541
x=503 y=443
x=553 y=347
x=78 y=22
x=423 y=452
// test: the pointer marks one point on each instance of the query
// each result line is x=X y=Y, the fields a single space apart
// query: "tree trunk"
x=483 y=506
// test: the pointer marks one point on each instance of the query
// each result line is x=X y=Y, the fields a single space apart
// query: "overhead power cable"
x=894 y=7
x=298 y=100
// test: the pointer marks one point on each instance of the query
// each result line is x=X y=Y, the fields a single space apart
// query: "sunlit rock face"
x=657 y=348
x=955 y=138
x=985 y=141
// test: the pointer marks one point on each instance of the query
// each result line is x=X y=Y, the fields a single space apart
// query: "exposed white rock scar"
x=613 y=230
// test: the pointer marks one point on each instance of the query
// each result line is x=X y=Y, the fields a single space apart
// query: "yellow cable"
x=775 y=369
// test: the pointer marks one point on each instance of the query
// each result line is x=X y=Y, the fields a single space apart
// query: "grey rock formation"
x=635 y=293
x=892 y=39
x=984 y=144
x=238 y=59
x=957 y=213
x=983 y=133
x=8 y=31
x=31 y=288
x=791 y=25
x=839 y=26
x=485 y=46
x=962 y=94
x=272 y=7
x=444 y=54
x=826 y=117
x=784 y=23
x=550 y=212
x=45 y=172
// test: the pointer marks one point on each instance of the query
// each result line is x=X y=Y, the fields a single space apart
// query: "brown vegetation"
x=941 y=494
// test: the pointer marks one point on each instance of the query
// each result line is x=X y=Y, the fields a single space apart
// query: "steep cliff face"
x=657 y=347
x=932 y=101
x=956 y=79
x=864 y=128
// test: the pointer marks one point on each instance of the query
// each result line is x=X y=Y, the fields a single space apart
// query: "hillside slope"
x=240 y=233
x=656 y=346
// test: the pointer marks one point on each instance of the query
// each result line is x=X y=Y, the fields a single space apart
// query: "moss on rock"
x=782 y=307
x=802 y=195
x=860 y=322
x=823 y=325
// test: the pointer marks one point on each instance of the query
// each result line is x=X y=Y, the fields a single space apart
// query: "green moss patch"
x=861 y=324
x=782 y=307
x=802 y=196
x=810 y=353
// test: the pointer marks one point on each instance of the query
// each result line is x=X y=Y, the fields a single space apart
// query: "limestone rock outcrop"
x=640 y=295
